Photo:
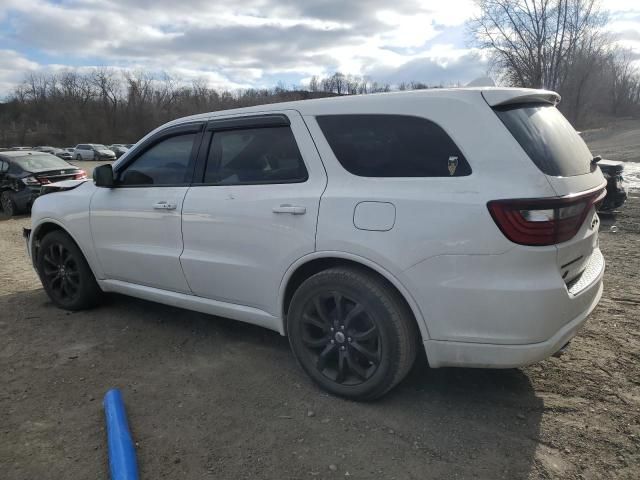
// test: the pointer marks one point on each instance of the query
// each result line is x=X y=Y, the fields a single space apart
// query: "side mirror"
x=103 y=176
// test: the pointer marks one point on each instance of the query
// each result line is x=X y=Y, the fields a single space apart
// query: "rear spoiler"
x=511 y=96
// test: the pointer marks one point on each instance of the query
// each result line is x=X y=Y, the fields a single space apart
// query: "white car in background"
x=92 y=151
x=463 y=221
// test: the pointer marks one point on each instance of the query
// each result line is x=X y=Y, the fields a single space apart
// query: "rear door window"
x=254 y=156
x=548 y=138
x=392 y=146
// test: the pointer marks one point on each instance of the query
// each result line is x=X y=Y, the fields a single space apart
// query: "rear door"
x=255 y=209
x=136 y=226
x=562 y=155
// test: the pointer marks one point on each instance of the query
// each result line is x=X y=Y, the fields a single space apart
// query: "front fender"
x=69 y=211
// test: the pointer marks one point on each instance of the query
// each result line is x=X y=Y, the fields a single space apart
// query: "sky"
x=257 y=43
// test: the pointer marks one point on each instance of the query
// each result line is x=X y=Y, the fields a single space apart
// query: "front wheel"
x=65 y=274
x=352 y=333
x=78 y=158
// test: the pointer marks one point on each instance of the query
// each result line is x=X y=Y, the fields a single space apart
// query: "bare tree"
x=532 y=40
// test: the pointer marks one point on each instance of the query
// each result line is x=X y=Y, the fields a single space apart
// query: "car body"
x=58 y=152
x=119 y=149
x=23 y=173
x=616 y=189
x=432 y=212
x=92 y=151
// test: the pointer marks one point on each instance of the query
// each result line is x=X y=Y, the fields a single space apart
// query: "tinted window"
x=166 y=163
x=254 y=155
x=392 y=146
x=548 y=138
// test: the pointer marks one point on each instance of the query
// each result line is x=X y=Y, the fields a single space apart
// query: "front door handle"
x=164 y=206
x=292 y=209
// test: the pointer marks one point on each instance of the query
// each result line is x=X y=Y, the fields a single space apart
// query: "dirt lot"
x=211 y=398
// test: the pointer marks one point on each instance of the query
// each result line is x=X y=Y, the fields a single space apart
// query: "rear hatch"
x=562 y=156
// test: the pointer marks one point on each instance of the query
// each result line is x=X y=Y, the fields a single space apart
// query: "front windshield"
x=40 y=162
x=97 y=146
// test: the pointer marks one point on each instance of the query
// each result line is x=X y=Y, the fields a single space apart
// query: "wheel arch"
x=48 y=225
x=316 y=262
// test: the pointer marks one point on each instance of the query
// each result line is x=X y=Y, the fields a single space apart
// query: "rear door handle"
x=292 y=209
x=164 y=206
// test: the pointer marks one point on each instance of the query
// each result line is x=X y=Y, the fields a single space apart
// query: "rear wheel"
x=65 y=274
x=351 y=333
x=9 y=206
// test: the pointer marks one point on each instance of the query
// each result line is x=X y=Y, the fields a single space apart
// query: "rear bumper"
x=484 y=355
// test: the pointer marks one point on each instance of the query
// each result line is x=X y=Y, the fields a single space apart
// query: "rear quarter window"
x=548 y=139
x=392 y=146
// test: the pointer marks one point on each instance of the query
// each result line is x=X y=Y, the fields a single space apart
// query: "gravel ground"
x=212 y=398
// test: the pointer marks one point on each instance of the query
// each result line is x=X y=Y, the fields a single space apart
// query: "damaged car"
x=24 y=173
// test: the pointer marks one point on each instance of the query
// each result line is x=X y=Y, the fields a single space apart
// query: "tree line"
x=561 y=45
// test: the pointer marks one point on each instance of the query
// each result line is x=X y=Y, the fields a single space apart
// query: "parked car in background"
x=63 y=154
x=362 y=227
x=19 y=148
x=93 y=151
x=22 y=175
x=616 y=189
x=58 y=152
x=119 y=149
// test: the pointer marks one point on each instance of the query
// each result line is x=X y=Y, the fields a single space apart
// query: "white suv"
x=461 y=220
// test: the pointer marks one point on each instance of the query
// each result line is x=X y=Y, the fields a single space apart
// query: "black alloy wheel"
x=65 y=274
x=60 y=271
x=341 y=338
x=351 y=332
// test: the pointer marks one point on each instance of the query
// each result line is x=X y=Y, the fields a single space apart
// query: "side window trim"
x=253 y=121
x=173 y=131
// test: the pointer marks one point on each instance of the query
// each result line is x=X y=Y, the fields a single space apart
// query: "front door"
x=136 y=225
x=255 y=212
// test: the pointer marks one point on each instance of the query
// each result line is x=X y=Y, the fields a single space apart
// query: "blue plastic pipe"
x=122 y=454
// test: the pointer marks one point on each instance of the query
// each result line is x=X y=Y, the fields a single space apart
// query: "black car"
x=58 y=152
x=616 y=191
x=23 y=173
x=119 y=149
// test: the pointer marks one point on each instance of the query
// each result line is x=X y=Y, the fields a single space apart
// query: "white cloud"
x=238 y=44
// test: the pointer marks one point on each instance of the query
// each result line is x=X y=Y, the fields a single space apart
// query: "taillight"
x=81 y=175
x=33 y=181
x=544 y=221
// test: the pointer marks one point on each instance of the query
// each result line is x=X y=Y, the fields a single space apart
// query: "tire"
x=96 y=158
x=361 y=349
x=78 y=158
x=9 y=206
x=65 y=274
